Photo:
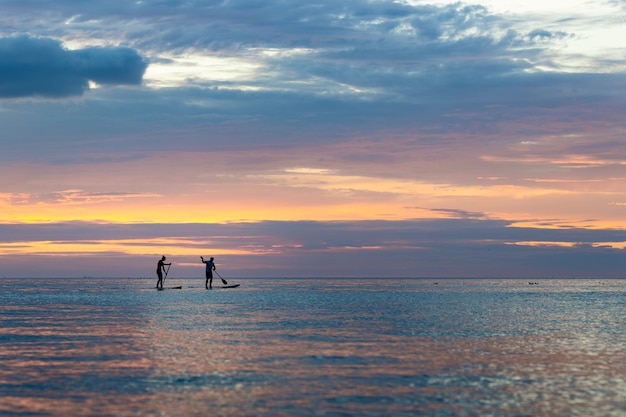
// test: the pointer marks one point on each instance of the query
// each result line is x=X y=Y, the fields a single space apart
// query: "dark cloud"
x=42 y=67
x=414 y=248
x=433 y=56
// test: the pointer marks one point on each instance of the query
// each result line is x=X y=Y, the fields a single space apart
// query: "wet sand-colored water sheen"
x=313 y=348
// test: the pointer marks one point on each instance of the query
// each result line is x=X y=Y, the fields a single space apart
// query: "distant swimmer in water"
x=210 y=267
x=159 y=271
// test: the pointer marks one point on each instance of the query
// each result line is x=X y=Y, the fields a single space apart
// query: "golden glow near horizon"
x=613 y=245
x=172 y=246
x=231 y=192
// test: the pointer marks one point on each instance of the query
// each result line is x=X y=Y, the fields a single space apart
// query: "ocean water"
x=313 y=347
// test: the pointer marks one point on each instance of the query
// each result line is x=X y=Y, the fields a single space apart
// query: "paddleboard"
x=226 y=286
x=170 y=288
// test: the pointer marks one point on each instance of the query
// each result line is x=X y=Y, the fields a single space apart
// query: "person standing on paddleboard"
x=159 y=271
x=210 y=267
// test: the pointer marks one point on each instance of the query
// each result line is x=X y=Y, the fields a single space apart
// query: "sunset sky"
x=313 y=138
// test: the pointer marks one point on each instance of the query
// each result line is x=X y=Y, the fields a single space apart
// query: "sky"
x=323 y=138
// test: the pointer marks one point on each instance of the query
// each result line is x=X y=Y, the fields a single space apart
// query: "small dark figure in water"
x=159 y=271
x=210 y=267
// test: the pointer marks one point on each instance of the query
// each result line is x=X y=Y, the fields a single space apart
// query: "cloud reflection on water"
x=63 y=359
x=357 y=350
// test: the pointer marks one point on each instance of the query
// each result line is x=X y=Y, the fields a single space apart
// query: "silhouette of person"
x=159 y=271
x=210 y=267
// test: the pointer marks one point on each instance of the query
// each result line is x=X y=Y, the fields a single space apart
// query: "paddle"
x=166 y=271
x=223 y=280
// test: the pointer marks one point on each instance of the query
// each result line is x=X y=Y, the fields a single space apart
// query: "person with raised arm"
x=210 y=267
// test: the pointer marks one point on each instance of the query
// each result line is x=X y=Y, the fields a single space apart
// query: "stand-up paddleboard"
x=226 y=286
x=170 y=288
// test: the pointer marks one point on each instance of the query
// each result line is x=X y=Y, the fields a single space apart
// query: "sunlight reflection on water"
x=313 y=347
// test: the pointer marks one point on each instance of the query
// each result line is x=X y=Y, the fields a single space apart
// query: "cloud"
x=412 y=248
x=445 y=110
x=69 y=197
x=43 y=67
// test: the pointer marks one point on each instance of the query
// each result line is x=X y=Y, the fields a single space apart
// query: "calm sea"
x=327 y=347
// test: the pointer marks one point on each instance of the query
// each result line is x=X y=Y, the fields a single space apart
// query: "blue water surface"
x=313 y=347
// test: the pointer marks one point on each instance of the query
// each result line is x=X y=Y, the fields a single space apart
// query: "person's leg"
x=206 y=283
x=210 y=280
x=160 y=280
